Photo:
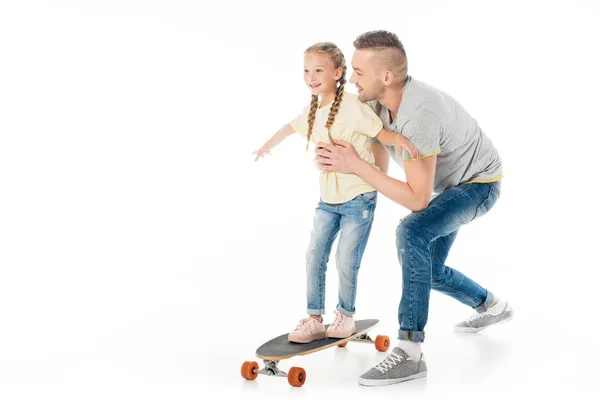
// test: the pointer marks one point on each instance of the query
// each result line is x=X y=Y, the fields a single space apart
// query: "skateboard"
x=280 y=348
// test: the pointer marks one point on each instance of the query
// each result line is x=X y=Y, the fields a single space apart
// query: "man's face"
x=367 y=75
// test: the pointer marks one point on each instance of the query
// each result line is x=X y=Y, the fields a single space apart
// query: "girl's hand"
x=403 y=143
x=261 y=152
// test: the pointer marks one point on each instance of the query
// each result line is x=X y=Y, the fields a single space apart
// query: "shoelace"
x=390 y=362
x=482 y=315
x=306 y=324
x=477 y=316
x=340 y=319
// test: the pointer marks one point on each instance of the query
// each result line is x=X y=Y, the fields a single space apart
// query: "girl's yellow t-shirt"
x=354 y=123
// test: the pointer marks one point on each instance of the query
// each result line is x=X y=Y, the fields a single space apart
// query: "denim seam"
x=323 y=278
x=361 y=248
x=457 y=291
x=479 y=208
x=431 y=253
x=322 y=258
x=412 y=278
x=494 y=186
x=489 y=296
x=483 y=203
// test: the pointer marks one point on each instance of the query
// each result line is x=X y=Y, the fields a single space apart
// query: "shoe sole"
x=334 y=335
x=308 y=339
x=465 y=329
x=384 y=382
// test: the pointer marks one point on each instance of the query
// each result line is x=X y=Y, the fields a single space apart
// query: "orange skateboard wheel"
x=382 y=343
x=296 y=376
x=343 y=344
x=250 y=370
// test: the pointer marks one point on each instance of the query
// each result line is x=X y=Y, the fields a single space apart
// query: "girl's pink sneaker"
x=342 y=327
x=308 y=329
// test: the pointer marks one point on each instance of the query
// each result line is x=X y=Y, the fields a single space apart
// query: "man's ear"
x=388 y=77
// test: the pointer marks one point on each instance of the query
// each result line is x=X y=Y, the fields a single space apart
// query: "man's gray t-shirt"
x=436 y=124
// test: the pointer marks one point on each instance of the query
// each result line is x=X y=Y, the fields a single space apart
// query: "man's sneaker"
x=483 y=320
x=308 y=329
x=342 y=327
x=397 y=367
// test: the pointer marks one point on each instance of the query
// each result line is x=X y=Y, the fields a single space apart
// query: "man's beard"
x=373 y=94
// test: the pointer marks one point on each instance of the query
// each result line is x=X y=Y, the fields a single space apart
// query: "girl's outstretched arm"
x=277 y=138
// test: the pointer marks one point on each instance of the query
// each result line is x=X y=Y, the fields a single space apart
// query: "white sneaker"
x=480 y=321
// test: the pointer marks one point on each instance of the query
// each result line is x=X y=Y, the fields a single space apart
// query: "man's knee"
x=410 y=233
x=438 y=275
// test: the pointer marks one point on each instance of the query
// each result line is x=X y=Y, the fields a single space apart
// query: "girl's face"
x=319 y=74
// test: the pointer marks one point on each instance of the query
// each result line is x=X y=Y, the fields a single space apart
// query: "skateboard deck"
x=281 y=348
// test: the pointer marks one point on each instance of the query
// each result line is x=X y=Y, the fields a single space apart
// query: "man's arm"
x=382 y=158
x=413 y=194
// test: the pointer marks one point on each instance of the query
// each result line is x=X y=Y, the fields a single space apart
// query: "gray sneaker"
x=480 y=321
x=397 y=367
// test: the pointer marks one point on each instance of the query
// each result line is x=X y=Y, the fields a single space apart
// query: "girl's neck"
x=326 y=99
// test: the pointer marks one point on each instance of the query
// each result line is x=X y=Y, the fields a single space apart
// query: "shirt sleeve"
x=300 y=123
x=367 y=122
x=424 y=134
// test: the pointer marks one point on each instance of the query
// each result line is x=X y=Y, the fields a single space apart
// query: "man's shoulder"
x=427 y=95
x=422 y=101
x=375 y=105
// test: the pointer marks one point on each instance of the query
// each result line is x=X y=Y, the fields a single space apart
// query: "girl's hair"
x=337 y=58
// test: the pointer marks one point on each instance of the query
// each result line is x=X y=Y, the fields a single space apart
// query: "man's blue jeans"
x=353 y=220
x=423 y=240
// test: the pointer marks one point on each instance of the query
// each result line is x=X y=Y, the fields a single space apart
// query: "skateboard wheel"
x=382 y=343
x=344 y=344
x=296 y=376
x=250 y=370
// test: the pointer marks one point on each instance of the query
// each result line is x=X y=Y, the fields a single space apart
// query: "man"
x=458 y=164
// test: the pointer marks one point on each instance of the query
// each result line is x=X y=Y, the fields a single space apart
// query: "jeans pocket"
x=496 y=187
x=488 y=203
x=369 y=197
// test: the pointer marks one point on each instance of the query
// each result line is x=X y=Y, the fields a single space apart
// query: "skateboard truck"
x=363 y=338
x=271 y=369
x=382 y=343
x=295 y=376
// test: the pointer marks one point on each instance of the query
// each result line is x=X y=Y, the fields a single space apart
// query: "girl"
x=347 y=202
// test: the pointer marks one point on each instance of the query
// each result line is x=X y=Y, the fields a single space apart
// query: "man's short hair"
x=389 y=47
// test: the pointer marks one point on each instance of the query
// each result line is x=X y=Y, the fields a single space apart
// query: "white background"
x=144 y=254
